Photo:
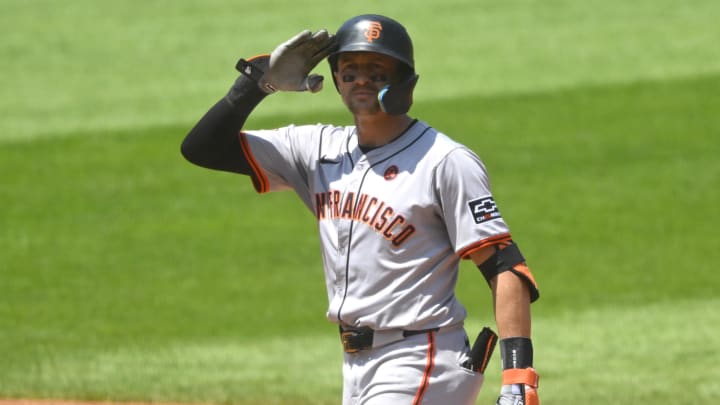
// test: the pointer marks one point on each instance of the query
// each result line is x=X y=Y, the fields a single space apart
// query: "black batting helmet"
x=383 y=35
x=374 y=33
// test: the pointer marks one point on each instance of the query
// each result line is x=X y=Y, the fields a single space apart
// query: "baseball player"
x=398 y=204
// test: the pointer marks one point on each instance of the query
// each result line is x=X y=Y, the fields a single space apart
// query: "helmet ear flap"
x=396 y=99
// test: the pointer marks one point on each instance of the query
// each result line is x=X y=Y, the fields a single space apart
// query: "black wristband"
x=254 y=69
x=516 y=352
x=249 y=69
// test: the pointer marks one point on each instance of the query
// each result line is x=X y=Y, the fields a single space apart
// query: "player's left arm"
x=513 y=290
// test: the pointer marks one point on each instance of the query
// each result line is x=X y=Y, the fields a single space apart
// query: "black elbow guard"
x=509 y=258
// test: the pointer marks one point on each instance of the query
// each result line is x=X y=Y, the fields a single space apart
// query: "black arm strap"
x=502 y=260
x=509 y=258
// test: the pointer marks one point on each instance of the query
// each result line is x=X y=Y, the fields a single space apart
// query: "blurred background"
x=128 y=274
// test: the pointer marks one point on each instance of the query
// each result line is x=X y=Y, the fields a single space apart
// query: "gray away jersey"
x=393 y=222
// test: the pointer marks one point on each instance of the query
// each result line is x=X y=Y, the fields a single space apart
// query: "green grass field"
x=128 y=274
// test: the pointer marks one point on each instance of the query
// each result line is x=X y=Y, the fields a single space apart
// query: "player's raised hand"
x=292 y=61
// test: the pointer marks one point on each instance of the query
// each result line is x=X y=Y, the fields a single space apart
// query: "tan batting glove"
x=291 y=63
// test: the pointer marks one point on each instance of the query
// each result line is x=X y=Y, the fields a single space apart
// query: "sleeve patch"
x=484 y=209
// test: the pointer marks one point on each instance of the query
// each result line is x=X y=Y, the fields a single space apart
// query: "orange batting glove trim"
x=526 y=376
x=531 y=397
x=262 y=55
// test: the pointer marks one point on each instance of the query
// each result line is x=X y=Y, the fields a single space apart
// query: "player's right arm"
x=214 y=142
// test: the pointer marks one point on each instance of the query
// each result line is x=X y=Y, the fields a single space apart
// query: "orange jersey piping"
x=493 y=240
x=259 y=179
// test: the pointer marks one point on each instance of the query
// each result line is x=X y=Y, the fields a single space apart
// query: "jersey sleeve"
x=280 y=158
x=472 y=217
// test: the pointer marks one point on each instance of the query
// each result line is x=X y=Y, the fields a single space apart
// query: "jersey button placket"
x=361 y=164
x=345 y=229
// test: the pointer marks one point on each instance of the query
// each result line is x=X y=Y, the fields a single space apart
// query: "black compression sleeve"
x=214 y=142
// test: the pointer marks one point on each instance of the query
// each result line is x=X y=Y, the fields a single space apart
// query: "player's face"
x=360 y=76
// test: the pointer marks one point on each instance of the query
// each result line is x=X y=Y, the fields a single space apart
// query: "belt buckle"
x=346 y=337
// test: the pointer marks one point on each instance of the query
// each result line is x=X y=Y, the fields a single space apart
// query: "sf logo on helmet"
x=373 y=31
